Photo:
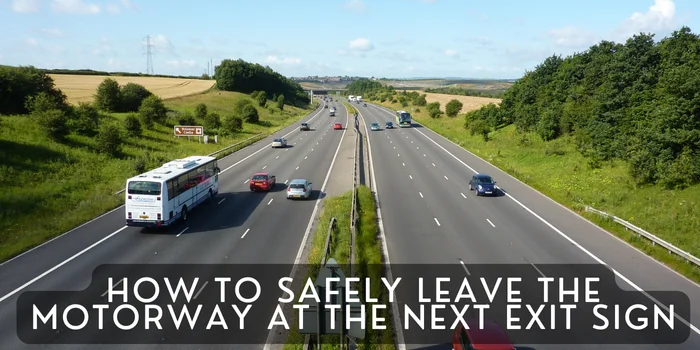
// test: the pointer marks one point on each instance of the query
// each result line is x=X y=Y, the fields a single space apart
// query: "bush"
x=53 y=123
x=250 y=114
x=232 y=124
x=420 y=100
x=212 y=122
x=479 y=127
x=108 y=95
x=44 y=101
x=131 y=96
x=109 y=140
x=187 y=119
x=434 y=109
x=280 y=102
x=17 y=84
x=404 y=103
x=152 y=110
x=132 y=125
x=261 y=97
x=201 y=111
x=85 y=119
x=453 y=108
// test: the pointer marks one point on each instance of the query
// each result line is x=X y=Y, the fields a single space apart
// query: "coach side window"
x=183 y=183
x=171 y=189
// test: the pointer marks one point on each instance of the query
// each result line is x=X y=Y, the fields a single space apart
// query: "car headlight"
x=480 y=187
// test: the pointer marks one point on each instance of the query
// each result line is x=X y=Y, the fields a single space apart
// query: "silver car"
x=299 y=188
x=279 y=143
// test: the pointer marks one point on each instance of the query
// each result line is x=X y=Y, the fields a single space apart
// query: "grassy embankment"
x=49 y=187
x=559 y=171
x=368 y=260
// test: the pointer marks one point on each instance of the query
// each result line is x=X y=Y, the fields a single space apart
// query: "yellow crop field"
x=470 y=103
x=81 y=88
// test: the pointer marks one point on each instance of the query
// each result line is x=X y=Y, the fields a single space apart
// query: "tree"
x=109 y=140
x=53 y=123
x=108 y=95
x=479 y=127
x=420 y=100
x=132 y=125
x=187 y=119
x=200 y=112
x=44 y=101
x=85 y=119
x=232 y=123
x=280 y=102
x=17 y=84
x=250 y=114
x=212 y=122
x=245 y=77
x=132 y=95
x=261 y=97
x=152 y=110
x=434 y=109
x=453 y=108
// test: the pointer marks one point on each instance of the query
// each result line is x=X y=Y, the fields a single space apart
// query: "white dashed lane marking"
x=221 y=201
x=183 y=231
x=491 y=223
x=463 y=195
x=245 y=233
x=446 y=177
x=421 y=195
x=410 y=177
x=246 y=181
x=437 y=222
x=271 y=199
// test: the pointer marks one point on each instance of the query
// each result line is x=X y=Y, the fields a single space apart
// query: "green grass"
x=559 y=171
x=368 y=260
x=49 y=187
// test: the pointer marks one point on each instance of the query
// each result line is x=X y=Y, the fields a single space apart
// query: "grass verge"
x=368 y=261
x=559 y=171
x=66 y=184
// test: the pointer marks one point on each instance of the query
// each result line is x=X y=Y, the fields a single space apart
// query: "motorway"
x=238 y=227
x=429 y=216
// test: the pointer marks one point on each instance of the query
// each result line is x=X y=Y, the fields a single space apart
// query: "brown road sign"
x=184 y=130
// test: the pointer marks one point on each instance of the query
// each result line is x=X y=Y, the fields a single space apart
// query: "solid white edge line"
x=60 y=264
x=183 y=231
x=300 y=252
x=108 y=236
x=562 y=234
x=401 y=345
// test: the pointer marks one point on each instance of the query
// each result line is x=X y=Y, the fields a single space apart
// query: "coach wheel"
x=184 y=213
x=211 y=194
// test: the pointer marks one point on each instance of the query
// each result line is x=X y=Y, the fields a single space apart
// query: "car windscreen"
x=277 y=140
x=144 y=187
x=484 y=180
x=297 y=186
x=259 y=177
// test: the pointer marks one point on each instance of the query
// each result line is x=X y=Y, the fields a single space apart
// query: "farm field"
x=81 y=88
x=470 y=102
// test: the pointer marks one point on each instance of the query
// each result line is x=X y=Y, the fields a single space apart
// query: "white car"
x=281 y=143
x=299 y=188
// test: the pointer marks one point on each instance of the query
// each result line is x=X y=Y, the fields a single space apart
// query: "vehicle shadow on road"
x=315 y=195
x=445 y=346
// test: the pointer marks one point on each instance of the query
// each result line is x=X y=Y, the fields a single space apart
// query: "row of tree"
x=452 y=90
x=241 y=76
x=638 y=101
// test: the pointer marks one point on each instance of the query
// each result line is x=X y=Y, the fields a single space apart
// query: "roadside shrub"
x=132 y=125
x=420 y=100
x=434 y=109
x=479 y=127
x=187 y=119
x=212 y=122
x=232 y=124
x=108 y=95
x=404 y=103
x=280 y=102
x=85 y=119
x=201 y=111
x=152 y=110
x=453 y=108
x=261 y=97
x=131 y=96
x=250 y=114
x=53 y=123
x=44 y=101
x=109 y=140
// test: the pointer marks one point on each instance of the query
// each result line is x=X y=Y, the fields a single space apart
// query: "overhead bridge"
x=325 y=91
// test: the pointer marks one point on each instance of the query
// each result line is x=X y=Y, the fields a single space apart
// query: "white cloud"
x=113 y=8
x=123 y=4
x=52 y=32
x=75 y=7
x=572 y=37
x=25 y=6
x=182 y=63
x=360 y=44
x=659 y=18
x=162 y=44
x=355 y=6
x=287 y=60
x=451 y=53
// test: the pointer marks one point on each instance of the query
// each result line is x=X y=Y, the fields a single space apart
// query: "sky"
x=380 y=38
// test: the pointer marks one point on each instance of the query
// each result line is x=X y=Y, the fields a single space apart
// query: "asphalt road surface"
x=238 y=227
x=429 y=216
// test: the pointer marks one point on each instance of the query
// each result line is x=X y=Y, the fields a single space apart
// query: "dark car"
x=262 y=181
x=304 y=126
x=389 y=125
x=482 y=184
x=491 y=337
x=326 y=106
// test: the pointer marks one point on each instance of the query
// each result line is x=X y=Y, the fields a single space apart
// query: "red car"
x=262 y=181
x=492 y=337
x=337 y=126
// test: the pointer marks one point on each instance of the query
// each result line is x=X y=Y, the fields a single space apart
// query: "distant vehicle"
x=403 y=119
x=326 y=106
x=389 y=125
x=337 y=126
x=364 y=105
x=375 y=126
x=351 y=98
x=262 y=181
x=299 y=188
x=304 y=127
x=482 y=184
x=359 y=98
x=332 y=113
x=491 y=337
x=279 y=143
x=161 y=196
